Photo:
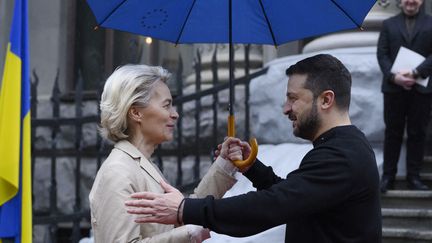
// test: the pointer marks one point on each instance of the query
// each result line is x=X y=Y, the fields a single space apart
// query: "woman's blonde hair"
x=128 y=85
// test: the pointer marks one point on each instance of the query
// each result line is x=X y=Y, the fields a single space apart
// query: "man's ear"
x=134 y=114
x=327 y=99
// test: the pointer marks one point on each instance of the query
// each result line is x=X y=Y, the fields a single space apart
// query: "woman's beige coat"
x=126 y=171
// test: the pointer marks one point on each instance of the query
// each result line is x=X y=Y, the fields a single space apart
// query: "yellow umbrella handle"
x=242 y=164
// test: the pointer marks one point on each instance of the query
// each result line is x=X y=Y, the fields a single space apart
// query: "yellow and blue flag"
x=15 y=161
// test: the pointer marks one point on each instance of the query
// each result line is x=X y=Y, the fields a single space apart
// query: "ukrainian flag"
x=15 y=162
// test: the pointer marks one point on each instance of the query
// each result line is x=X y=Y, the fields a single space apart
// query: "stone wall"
x=270 y=126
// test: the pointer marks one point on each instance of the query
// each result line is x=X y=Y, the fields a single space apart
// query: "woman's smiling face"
x=159 y=116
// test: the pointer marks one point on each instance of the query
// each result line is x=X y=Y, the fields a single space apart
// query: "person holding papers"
x=407 y=95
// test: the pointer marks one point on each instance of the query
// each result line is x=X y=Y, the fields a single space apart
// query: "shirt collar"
x=325 y=136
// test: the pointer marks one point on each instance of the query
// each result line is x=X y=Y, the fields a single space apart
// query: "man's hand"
x=155 y=207
x=404 y=79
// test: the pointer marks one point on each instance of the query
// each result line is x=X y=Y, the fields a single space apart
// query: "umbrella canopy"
x=271 y=22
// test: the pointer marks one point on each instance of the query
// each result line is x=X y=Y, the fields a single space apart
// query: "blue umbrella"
x=272 y=22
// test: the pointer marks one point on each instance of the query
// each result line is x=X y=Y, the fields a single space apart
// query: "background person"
x=405 y=102
x=332 y=197
x=137 y=114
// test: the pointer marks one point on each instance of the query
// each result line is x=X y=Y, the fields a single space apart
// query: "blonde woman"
x=137 y=115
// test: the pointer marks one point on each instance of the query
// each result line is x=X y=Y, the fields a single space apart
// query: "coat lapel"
x=418 y=25
x=144 y=163
x=402 y=27
x=150 y=168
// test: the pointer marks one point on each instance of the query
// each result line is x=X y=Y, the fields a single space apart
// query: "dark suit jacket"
x=393 y=35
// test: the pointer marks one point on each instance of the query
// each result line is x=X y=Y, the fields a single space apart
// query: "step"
x=401 y=184
x=415 y=219
x=407 y=199
x=400 y=235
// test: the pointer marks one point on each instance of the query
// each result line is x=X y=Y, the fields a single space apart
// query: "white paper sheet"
x=407 y=59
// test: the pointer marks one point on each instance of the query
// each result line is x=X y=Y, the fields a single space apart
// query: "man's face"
x=411 y=7
x=301 y=108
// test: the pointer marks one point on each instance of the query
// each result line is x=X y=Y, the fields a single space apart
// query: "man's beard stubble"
x=309 y=125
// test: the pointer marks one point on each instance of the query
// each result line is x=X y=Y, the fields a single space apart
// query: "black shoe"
x=387 y=183
x=416 y=184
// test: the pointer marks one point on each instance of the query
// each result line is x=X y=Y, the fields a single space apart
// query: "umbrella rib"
x=268 y=23
x=184 y=23
x=112 y=11
x=349 y=16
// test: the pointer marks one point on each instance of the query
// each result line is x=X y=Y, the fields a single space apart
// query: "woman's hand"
x=198 y=233
x=230 y=149
x=233 y=149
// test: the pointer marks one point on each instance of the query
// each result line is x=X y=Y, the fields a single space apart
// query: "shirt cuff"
x=392 y=78
x=226 y=166
x=192 y=211
x=415 y=73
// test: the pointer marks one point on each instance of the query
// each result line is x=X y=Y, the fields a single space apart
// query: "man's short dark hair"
x=325 y=72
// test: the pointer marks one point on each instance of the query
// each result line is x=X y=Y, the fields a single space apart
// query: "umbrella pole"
x=241 y=164
x=231 y=120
